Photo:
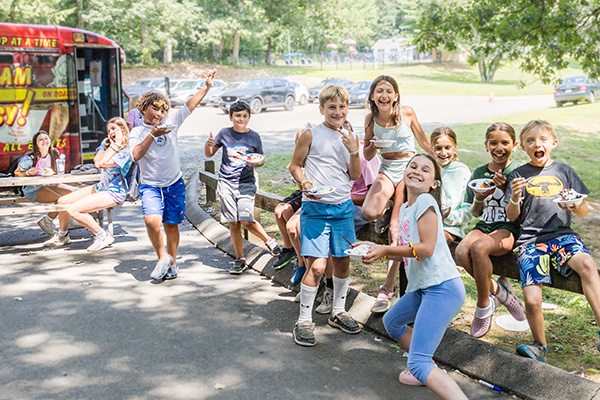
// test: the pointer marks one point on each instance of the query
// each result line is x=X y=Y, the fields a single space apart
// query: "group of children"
x=429 y=202
x=430 y=209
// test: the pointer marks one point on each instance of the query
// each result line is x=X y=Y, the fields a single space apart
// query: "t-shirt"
x=429 y=271
x=369 y=171
x=135 y=117
x=236 y=145
x=493 y=216
x=113 y=176
x=160 y=165
x=26 y=162
x=541 y=218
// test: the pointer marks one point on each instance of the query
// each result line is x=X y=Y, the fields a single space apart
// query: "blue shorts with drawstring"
x=168 y=201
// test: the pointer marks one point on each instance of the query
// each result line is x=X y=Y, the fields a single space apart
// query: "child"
x=113 y=158
x=35 y=162
x=284 y=211
x=154 y=145
x=329 y=156
x=435 y=292
x=389 y=120
x=455 y=176
x=237 y=186
x=494 y=234
x=546 y=236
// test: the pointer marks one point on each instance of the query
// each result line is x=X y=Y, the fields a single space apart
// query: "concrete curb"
x=523 y=377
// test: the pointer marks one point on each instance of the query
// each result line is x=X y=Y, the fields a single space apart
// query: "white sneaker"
x=327 y=304
x=47 y=225
x=297 y=298
x=101 y=243
x=56 y=240
x=273 y=247
x=161 y=269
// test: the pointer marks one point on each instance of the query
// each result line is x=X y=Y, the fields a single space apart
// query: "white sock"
x=101 y=234
x=485 y=312
x=62 y=233
x=308 y=294
x=502 y=293
x=340 y=290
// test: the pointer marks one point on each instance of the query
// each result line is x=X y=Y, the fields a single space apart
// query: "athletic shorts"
x=168 y=201
x=237 y=201
x=294 y=200
x=535 y=259
x=393 y=169
x=322 y=227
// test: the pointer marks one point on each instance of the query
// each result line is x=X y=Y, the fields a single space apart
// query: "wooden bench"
x=503 y=266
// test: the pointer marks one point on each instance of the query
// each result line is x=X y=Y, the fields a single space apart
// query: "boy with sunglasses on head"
x=154 y=146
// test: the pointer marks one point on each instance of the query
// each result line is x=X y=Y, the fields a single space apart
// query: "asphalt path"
x=79 y=325
x=277 y=127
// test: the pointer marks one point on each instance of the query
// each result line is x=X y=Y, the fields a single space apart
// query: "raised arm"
x=416 y=129
x=193 y=102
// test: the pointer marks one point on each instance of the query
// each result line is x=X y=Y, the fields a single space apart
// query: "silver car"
x=576 y=88
x=186 y=88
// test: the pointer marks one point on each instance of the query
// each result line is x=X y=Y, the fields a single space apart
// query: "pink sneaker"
x=512 y=303
x=406 y=378
x=383 y=301
x=481 y=326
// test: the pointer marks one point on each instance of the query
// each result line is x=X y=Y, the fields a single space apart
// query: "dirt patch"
x=197 y=71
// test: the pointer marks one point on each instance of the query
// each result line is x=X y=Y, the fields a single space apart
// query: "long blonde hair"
x=120 y=122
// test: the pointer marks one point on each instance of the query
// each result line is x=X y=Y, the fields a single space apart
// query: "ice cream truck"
x=64 y=81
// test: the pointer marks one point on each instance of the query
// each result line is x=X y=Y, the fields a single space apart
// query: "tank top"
x=327 y=164
x=403 y=138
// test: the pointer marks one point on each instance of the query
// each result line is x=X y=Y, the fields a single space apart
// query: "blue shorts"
x=535 y=259
x=168 y=202
x=322 y=227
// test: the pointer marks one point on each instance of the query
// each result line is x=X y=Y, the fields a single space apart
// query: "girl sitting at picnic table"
x=41 y=161
x=113 y=158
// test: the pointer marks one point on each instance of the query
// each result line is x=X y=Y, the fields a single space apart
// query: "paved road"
x=278 y=127
x=78 y=325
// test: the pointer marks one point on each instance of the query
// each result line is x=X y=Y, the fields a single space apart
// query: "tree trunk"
x=168 y=52
x=236 y=48
x=79 y=14
x=268 y=52
x=221 y=46
x=144 y=40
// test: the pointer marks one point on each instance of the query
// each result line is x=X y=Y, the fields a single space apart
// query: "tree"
x=541 y=34
x=37 y=11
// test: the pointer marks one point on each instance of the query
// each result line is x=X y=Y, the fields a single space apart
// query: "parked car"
x=260 y=94
x=150 y=82
x=136 y=91
x=313 y=92
x=215 y=96
x=359 y=94
x=576 y=88
x=300 y=91
x=186 y=88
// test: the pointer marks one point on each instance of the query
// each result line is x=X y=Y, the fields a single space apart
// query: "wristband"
x=152 y=135
x=514 y=202
x=27 y=173
x=354 y=152
x=304 y=182
x=114 y=147
x=413 y=251
x=477 y=201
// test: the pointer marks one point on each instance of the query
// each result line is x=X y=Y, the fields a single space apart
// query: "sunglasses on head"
x=158 y=105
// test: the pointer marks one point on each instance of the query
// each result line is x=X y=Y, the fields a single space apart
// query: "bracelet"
x=477 y=201
x=413 y=251
x=304 y=182
x=27 y=173
x=354 y=152
x=115 y=148
x=152 y=135
x=514 y=202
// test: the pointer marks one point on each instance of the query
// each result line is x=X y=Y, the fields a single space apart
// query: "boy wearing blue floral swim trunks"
x=329 y=156
x=546 y=237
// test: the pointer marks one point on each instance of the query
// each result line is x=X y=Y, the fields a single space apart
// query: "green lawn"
x=439 y=79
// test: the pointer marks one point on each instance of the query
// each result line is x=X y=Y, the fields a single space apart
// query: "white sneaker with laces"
x=101 y=242
x=327 y=304
x=47 y=225
x=273 y=246
x=56 y=240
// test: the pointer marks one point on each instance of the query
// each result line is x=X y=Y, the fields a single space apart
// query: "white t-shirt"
x=160 y=165
x=429 y=271
x=327 y=164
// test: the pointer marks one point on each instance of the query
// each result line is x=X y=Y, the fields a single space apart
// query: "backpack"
x=132 y=180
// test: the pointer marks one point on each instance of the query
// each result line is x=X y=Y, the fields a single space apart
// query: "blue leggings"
x=431 y=310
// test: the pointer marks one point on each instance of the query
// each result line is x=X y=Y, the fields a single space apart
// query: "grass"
x=436 y=79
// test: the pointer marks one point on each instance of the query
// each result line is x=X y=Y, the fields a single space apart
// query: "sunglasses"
x=158 y=105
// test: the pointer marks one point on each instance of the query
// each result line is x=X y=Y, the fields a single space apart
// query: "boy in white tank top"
x=329 y=156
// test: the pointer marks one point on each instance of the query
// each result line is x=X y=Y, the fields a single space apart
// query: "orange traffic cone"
x=491 y=99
